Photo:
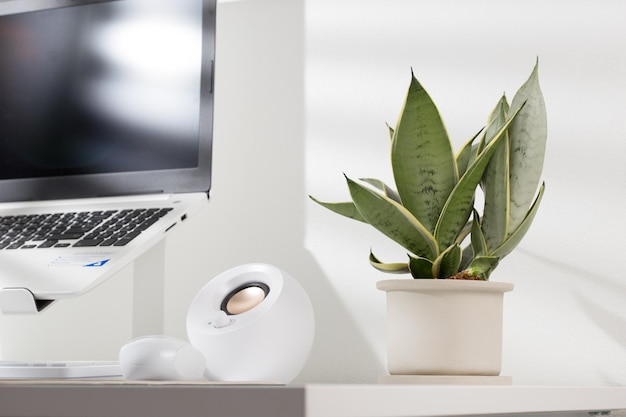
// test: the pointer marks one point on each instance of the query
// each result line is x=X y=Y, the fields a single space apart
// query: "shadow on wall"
x=611 y=323
x=601 y=300
x=340 y=352
x=607 y=319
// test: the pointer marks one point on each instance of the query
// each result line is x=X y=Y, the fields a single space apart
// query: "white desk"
x=115 y=399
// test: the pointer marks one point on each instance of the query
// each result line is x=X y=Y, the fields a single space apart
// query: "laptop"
x=106 y=119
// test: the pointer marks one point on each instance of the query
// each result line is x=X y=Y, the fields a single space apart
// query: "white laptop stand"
x=149 y=291
x=147 y=318
x=148 y=294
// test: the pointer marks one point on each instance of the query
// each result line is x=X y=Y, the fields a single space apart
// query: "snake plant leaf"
x=482 y=266
x=393 y=220
x=464 y=233
x=467 y=154
x=459 y=205
x=393 y=268
x=390 y=129
x=447 y=264
x=497 y=118
x=518 y=234
x=381 y=186
x=422 y=159
x=527 y=135
x=347 y=209
x=466 y=257
x=479 y=243
x=421 y=268
x=495 y=181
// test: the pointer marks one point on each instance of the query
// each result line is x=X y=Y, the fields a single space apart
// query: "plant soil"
x=466 y=276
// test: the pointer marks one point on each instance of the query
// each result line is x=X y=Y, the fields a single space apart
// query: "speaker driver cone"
x=244 y=298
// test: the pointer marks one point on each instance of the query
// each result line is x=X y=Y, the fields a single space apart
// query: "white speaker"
x=253 y=322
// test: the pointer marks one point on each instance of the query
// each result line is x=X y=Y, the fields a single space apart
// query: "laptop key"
x=15 y=245
x=126 y=239
x=88 y=242
x=48 y=244
x=65 y=236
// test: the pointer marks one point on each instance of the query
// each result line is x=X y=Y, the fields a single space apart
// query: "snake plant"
x=432 y=211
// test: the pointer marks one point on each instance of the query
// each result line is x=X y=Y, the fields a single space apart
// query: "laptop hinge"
x=21 y=301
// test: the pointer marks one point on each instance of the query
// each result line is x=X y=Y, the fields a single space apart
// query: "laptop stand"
x=147 y=311
x=148 y=294
x=149 y=291
x=21 y=301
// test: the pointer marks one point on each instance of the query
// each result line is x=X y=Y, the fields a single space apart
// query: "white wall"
x=303 y=91
x=565 y=323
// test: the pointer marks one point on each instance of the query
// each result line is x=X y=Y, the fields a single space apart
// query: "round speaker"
x=254 y=323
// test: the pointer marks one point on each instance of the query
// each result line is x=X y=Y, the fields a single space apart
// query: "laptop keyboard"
x=80 y=229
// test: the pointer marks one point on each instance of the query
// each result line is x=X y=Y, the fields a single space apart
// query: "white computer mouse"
x=161 y=358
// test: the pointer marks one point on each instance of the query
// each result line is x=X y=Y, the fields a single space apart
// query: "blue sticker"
x=97 y=264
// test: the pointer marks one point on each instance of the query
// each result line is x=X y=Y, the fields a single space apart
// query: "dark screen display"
x=100 y=88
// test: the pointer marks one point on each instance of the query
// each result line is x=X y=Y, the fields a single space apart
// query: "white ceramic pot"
x=444 y=327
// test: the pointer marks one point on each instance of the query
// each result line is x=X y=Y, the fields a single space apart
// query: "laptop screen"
x=105 y=97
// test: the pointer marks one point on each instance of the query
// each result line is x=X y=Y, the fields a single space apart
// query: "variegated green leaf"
x=482 y=266
x=497 y=118
x=466 y=257
x=458 y=208
x=393 y=268
x=421 y=268
x=423 y=163
x=464 y=233
x=518 y=234
x=466 y=155
x=479 y=244
x=495 y=181
x=447 y=264
x=347 y=209
x=384 y=188
x=528 y=135
x=390 y=130
x=393 y=220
